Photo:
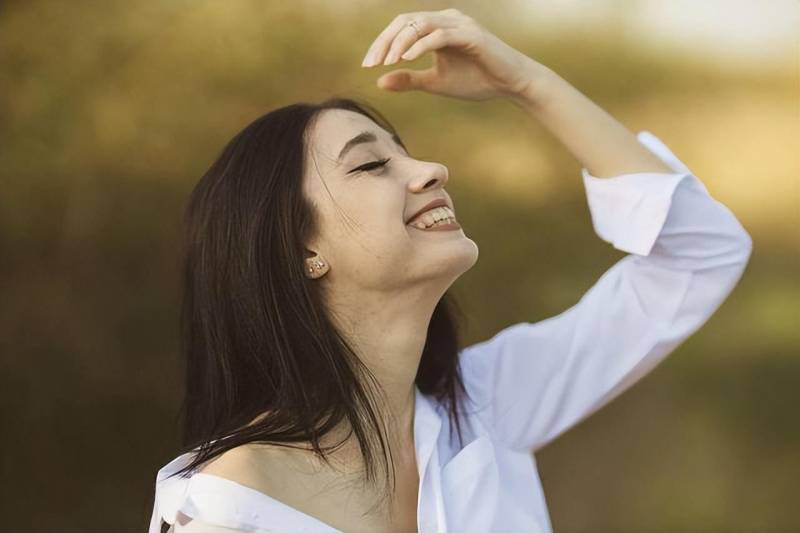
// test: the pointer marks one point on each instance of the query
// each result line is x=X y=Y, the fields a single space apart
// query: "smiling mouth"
x=449 y=223
x=440 y=227
x=438 y=216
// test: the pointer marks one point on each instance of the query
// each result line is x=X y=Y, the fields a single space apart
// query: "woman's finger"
x=405 y=38
x=404 y=79
x=426 y=22
x=438 y=38
x=380 y=45
x=425 y=25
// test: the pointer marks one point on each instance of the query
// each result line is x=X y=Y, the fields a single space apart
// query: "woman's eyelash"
x=372 y=165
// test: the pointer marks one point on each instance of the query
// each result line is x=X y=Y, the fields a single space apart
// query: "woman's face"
x=363 y=212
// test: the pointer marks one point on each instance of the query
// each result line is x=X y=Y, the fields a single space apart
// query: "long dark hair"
x=255 y=333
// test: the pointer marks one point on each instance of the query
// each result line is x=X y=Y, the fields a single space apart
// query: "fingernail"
x=369 y=59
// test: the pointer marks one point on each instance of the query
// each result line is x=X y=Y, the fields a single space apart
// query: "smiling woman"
x=283 y=297
x=320 y=337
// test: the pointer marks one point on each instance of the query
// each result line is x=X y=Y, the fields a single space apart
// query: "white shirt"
x=533 y=381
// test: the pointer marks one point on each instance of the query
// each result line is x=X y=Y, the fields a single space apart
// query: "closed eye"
x=371 y=165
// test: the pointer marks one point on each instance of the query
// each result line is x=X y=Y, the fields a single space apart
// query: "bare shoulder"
x=251 y=464
x=274 y=470
x=255 y=466
x=301 y=480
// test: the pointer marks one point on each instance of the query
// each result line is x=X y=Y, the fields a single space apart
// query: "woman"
x=326 y=390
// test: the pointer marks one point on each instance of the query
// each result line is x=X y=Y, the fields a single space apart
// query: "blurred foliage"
x=109 y=113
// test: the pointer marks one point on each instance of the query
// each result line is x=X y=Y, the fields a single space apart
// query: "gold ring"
x=413 y=24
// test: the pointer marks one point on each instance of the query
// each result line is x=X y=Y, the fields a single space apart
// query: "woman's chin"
x=455 y=258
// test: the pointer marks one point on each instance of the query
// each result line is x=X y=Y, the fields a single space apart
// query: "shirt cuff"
x=629 y=210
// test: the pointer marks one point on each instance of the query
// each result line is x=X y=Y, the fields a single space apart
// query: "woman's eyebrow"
x=365 y=137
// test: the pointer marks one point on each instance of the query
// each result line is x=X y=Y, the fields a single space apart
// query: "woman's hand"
x=469 y=62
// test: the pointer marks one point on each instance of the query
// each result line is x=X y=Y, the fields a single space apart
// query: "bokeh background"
x=111 y=110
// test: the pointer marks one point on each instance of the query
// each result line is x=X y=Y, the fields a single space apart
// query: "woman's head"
x=267 y=358
x=365 y=187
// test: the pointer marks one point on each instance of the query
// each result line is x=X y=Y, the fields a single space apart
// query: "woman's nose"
x=429 y=176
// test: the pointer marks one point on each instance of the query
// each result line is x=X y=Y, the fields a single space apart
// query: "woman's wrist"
x=538 y=85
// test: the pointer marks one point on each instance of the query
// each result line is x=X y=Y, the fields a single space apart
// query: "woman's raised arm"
x=687 y=251
x=597 y=140
x=471 y=63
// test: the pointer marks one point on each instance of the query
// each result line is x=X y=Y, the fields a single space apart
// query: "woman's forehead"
x=334 y=128
x=335 y=122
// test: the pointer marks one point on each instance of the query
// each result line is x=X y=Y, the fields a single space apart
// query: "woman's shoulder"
x=296 y=486
x=252 y=463
x=263 y=467
x=284 y=472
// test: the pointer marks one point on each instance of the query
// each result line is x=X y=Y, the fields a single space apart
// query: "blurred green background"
x=110 y=111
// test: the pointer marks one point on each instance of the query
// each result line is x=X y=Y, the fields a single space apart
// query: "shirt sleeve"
x=686 y=253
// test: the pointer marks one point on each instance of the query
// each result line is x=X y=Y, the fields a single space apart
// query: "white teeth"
x=442 y=222
x=427 y=218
